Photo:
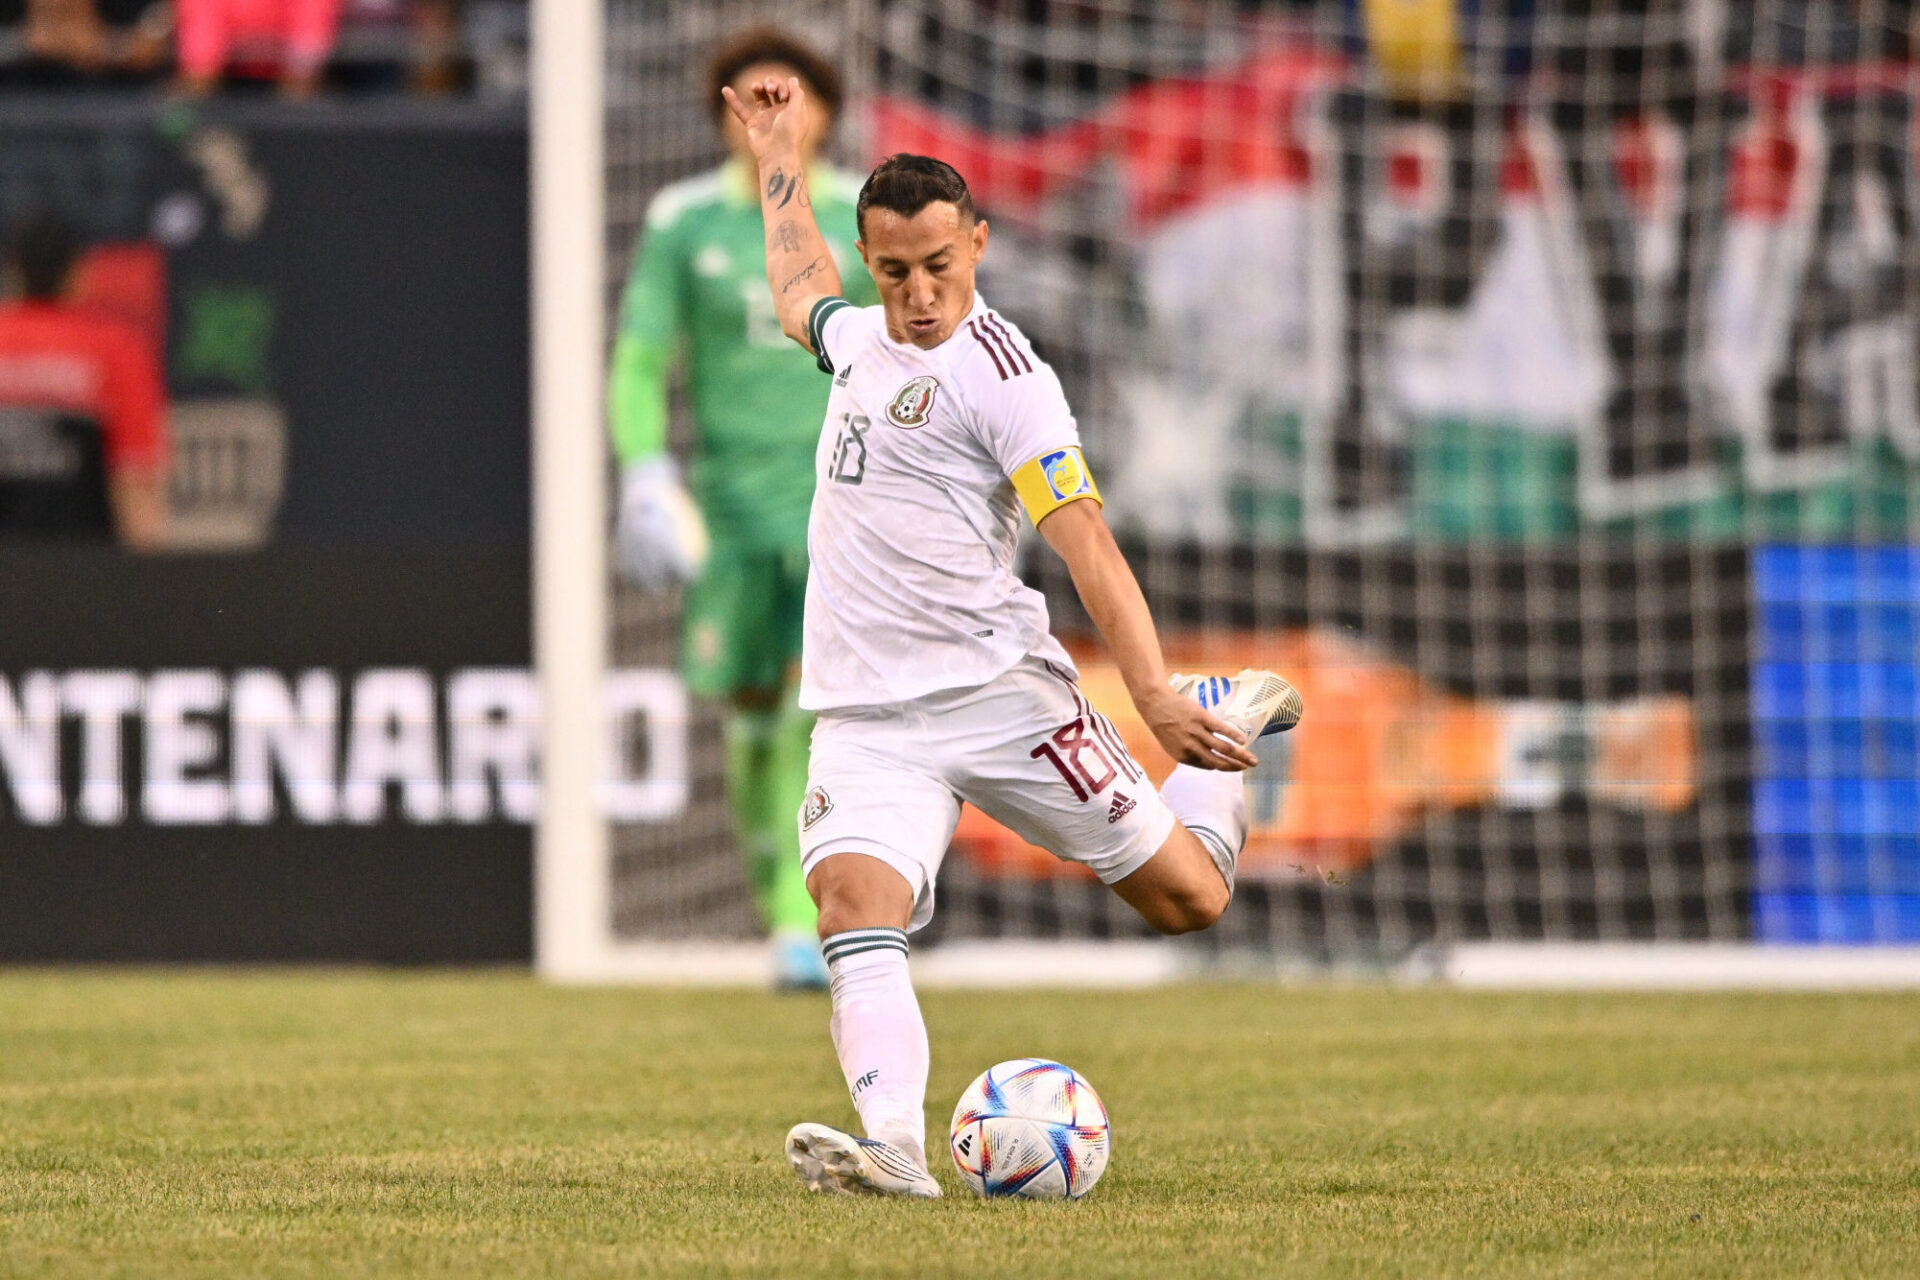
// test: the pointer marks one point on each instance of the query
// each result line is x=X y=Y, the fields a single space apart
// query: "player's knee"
x=838 y=914
x=840 y=908
x=1189 y=908
x=852 y=891
x=1206 y=905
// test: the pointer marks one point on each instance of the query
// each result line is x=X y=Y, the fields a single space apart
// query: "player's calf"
x=1212 y=804
x=1178 y=890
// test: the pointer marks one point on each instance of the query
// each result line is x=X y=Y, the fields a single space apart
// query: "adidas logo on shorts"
x=1120 y=808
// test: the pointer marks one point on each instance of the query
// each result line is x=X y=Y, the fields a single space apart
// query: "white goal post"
x=572 y=926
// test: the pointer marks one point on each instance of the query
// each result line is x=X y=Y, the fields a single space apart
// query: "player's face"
x=819 y=119
x=923 y=267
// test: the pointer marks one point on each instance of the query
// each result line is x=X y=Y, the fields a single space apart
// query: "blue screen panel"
x=1836 y=736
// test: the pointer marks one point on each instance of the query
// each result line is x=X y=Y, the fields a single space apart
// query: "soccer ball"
x=1031 y=1128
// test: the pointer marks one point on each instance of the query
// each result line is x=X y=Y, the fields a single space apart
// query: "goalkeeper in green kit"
x=739 y=539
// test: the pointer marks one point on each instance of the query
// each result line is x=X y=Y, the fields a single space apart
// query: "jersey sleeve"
x=651 y=315
x=827 y=328
x=1025 y=423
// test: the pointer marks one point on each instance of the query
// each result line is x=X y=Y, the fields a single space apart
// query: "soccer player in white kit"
x=930 y=665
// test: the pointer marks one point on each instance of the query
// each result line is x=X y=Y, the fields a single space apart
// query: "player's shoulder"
x=679 y=202
x=850 y=318
x=992 y=357
x=839 y=329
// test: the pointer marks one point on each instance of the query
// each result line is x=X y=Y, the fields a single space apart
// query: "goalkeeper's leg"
x=750 y=732
x=767 y=783
x=740 y=644
x=788 y=907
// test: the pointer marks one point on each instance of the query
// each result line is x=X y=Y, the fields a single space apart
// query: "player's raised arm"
x=800 y=268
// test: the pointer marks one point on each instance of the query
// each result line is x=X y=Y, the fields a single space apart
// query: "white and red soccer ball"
x=1031 y=1128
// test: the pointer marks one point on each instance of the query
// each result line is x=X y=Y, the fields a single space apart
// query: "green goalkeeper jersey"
x=700 y=276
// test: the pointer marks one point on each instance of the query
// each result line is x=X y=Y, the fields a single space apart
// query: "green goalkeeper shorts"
x=743 y=620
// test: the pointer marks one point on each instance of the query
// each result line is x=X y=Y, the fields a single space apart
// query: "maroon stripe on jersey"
x=1014 y=359
x=995 y=343
x=994 y=323
x=973 y=328
x=1120 y=751
x=1103 y=731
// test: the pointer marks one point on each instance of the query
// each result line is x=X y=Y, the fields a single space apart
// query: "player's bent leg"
x=1050 y=767
x=881 y=1040
x=1178 y=889
x=1212 y=804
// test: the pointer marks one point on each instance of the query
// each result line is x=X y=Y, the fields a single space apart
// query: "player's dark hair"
x=771 y=44
x=905 y=184
x=45 y=249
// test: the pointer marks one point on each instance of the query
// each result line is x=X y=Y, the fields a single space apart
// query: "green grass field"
x=374 y=1124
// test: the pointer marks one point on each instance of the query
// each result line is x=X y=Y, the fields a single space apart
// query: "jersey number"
x=850 y=450
x=1063 y=753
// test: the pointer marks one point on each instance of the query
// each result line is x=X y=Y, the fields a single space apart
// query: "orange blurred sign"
x=1380 y=748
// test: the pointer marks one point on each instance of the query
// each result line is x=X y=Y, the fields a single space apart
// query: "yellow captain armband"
x=1054 y=479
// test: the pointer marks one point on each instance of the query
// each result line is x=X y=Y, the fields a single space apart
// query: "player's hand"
x=775 y=114
x=1192 y=734
x=660 y=539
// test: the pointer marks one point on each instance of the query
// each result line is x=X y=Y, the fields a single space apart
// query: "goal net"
x=1534 y=384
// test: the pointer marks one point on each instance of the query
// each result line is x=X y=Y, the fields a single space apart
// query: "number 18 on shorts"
x=1026 y=748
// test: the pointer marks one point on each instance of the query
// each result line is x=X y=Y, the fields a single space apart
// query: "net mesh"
x=1482 y=368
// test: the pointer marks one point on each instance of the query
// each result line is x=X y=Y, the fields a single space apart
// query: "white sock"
x=879 y=1035
x=1213 y=805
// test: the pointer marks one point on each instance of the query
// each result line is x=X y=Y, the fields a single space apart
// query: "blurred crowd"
x=300 y=48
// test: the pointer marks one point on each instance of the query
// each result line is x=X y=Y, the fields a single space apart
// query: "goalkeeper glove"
x=661 y=539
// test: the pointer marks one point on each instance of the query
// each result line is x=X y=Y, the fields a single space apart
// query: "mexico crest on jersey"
x=819 y=805
x=912 y=403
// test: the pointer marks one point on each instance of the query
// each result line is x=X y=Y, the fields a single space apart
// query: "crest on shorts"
x=912 y=403
x=819 y=805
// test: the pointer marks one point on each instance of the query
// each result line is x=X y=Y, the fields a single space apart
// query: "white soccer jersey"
x=911 y=587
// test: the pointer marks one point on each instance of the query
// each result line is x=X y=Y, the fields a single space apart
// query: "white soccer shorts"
x=1026 y=748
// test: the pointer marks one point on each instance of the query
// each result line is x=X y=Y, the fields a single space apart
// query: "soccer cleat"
x=797 y=965
x=1255 y=702
x=836 y=1163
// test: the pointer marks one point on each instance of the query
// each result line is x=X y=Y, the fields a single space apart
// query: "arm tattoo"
x=781 y=188
x=786 y=236
x=811 y=269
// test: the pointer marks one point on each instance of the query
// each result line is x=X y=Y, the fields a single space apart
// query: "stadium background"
x=1539 y=390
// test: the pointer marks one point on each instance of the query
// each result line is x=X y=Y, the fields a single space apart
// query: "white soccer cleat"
x=1255 y=702
x=836 y=1163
